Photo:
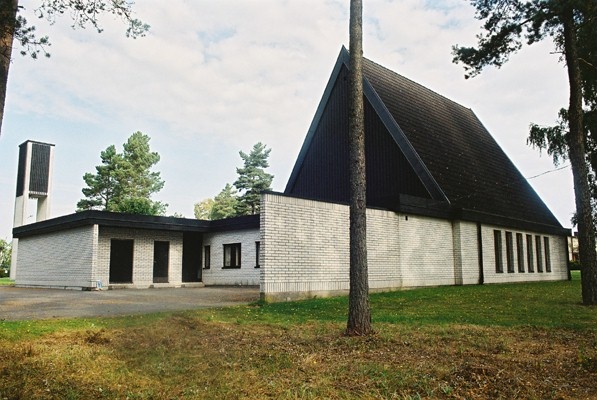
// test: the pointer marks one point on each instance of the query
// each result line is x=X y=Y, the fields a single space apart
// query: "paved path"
x=26 y=303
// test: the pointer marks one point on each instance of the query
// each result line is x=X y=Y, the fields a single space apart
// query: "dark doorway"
x=161 y=255
x=121 y=261
x=192 y=244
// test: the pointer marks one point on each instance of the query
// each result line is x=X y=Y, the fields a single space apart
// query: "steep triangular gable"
x=413 y=172
x=465 y=160
x=441 y=149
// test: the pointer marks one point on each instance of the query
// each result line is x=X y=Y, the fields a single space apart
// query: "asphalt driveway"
x=27 y=303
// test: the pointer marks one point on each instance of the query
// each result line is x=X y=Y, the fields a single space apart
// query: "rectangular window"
x=497 y=242
x=257 y=254
x=530 y=253
x=207 y=257
x=547 y=255
x=519 y=252
x=509 y=252
x=232 y=255
x=539 y=253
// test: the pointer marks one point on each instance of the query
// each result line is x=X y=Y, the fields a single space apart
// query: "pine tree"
x=571 y=25
x=252 y=179
x=359 y=312
x=124 y=182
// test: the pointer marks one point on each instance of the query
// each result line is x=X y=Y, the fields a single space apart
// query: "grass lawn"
x=529 y=341
x=6 y=282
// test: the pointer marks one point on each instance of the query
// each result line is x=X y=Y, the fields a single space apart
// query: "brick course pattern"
x=305 y=250
x=247 y=274
x=63 y=259
x=142 y=255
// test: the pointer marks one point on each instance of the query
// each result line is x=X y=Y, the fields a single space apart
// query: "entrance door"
x=121 y=261
x=191 y=256
x=161 y=253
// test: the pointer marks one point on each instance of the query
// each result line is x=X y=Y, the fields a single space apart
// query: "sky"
x=212 y=78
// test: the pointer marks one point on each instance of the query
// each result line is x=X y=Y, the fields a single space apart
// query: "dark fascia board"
x=341 y=60
x=236 y=223
x=120 y=220
x=499 y=220
x=388 y=120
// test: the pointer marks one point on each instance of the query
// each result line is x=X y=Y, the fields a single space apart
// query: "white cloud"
x=214 y=77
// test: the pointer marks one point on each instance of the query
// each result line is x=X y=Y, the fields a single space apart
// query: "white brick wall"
x=427 y=258
x=62 y=259
x=142 y=255
x=304 y=246
x=466 y=253
x=557 y=246
x=305 y=250
x=247 y=274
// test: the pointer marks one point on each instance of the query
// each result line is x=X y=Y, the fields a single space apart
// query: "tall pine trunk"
x=580 y=171
x=359 y=313
x=8 y=16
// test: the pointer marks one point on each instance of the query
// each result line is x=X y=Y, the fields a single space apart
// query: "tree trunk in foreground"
x=8 y=16
x=359 y=313
x=580 y=173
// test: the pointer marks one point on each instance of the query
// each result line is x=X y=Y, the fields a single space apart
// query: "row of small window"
x=232 y=252
x=539 y=256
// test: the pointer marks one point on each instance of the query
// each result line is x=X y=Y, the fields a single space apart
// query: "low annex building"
x=446 y=206
x=97 y=249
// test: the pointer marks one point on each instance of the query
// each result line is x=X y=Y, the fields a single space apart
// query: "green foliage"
x=84 y=13
x=103 y=188
x=124 y=182
x=225 y=204
x=252 y=179
x=202 y=210
x=509 y=24
x=140 y=205
x=5 y=257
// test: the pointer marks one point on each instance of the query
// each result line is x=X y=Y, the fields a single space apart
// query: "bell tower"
x=34 y=182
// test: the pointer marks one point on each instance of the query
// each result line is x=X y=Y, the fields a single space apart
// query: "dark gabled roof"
x=448 y=148
x=110 y=219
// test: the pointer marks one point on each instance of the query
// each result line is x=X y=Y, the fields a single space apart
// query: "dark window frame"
x=207 y=257
x=520 y=252
x=547 y=254
x=257 y=254
x=530 y=253
x=235 y=251
x=509 y=252
x=539 y=253
x=497 y=243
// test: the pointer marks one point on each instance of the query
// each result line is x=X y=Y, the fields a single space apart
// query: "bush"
x=5 y=256
x=574 y=266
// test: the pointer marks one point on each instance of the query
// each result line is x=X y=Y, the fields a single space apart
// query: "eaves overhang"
x=132 y=221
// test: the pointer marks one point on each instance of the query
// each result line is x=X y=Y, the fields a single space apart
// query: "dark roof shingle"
x=467 y=163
